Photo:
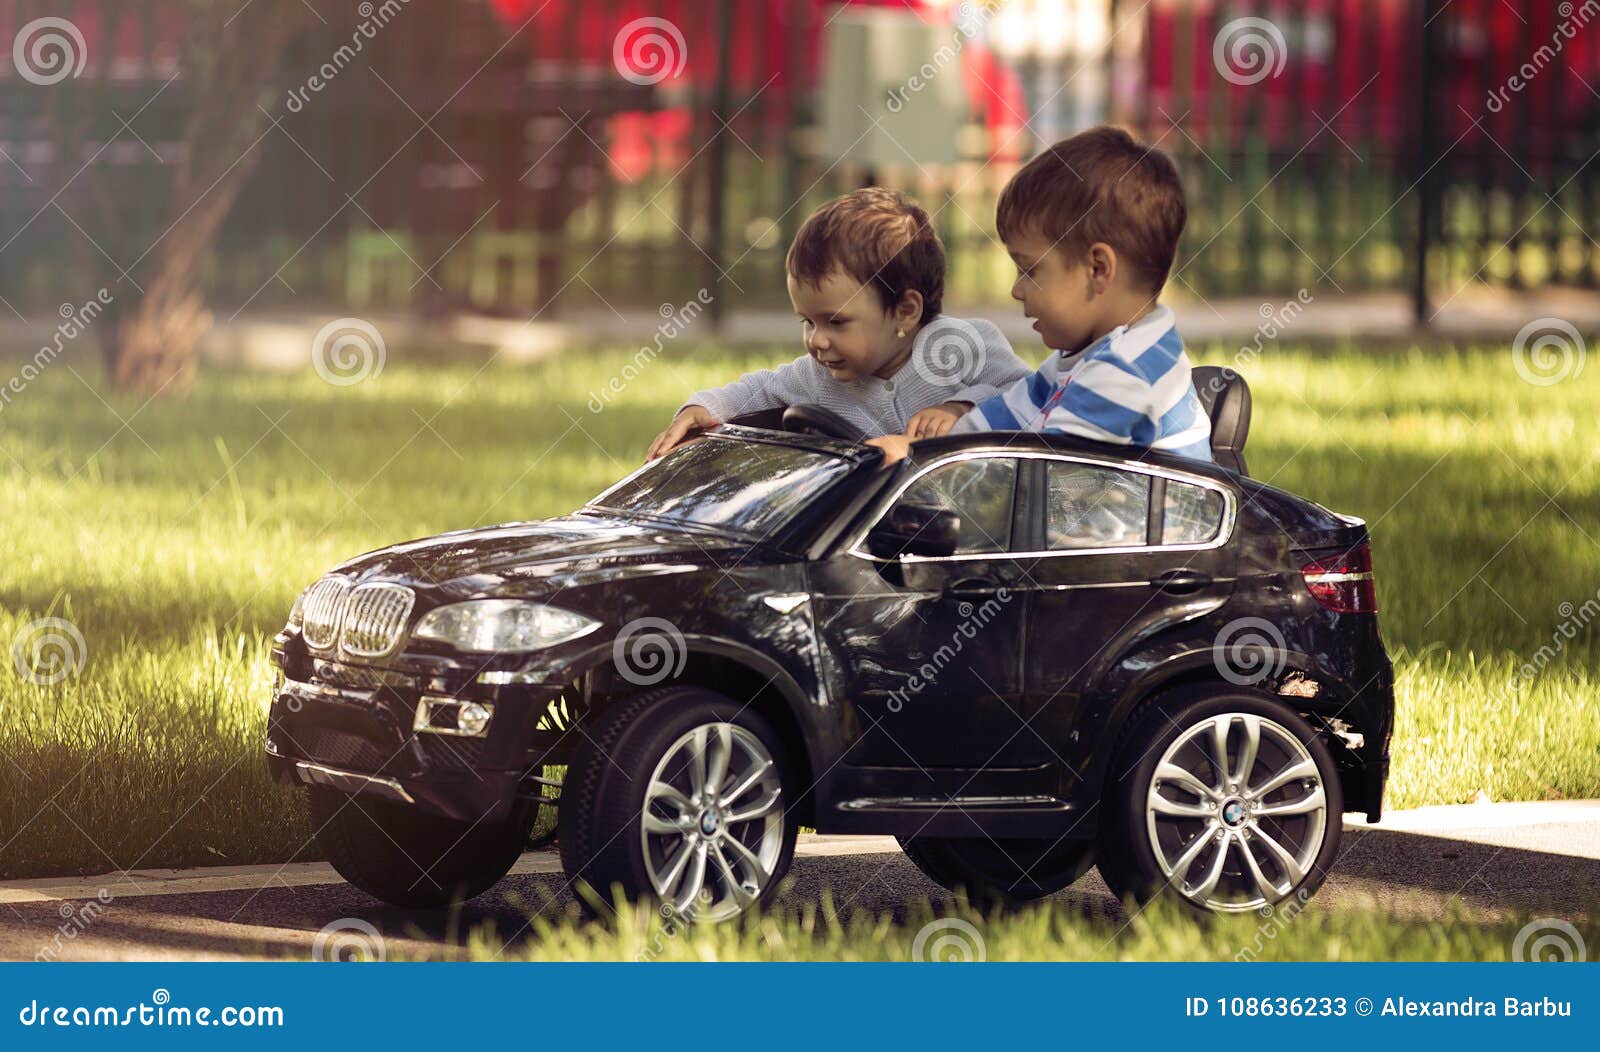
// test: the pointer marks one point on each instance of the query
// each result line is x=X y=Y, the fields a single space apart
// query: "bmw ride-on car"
x=1023 y=655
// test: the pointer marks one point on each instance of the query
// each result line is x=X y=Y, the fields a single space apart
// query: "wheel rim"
x=712 y=825
x=1236 y=812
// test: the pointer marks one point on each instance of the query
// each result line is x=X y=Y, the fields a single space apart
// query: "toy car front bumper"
x=362 y=742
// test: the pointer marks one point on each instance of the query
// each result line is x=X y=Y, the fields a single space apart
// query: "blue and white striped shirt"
x=1132 y=387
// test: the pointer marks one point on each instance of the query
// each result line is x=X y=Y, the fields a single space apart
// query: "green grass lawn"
x=175 y=535
x=1054 y=931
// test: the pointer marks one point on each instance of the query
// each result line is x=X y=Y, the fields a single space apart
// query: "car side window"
x=1191 y=514
x=1095 y=507
x=979 y=491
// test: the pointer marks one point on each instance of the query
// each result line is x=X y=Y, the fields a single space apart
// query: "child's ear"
x=1102 y=267
x=908 y=312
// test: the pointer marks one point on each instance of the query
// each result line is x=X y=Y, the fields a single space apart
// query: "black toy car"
x=1020 y=654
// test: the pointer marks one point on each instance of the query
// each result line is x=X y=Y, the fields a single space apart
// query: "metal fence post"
x=716 y=189
x=1427 y=184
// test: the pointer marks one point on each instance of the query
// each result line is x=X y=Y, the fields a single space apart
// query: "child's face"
x=1054 y=291
x=845 y=326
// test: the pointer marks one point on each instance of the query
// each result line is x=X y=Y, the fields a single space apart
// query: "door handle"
x=1180 y=582
x=972 y=584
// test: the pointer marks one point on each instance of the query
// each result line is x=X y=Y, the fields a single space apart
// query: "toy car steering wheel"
x=815 y=420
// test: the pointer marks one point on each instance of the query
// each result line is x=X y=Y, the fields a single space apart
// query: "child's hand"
x=689 y=418
x=895 y=447
x=936 y=420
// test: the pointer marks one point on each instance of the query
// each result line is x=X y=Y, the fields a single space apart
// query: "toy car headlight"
x=501 y=625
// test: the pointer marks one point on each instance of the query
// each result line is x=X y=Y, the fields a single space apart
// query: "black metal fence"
x=502 y=156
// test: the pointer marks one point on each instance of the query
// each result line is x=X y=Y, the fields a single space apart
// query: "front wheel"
x=407 y=858
x=1225 y=799
x=1006 y=871
x=680 y=795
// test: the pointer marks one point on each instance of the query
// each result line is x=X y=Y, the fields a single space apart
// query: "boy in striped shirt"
x=1092 y=224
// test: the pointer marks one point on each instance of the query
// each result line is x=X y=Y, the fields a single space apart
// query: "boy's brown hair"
x=880 y=238
x=1101 y=185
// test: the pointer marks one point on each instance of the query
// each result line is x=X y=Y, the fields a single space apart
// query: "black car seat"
x=1226 y=399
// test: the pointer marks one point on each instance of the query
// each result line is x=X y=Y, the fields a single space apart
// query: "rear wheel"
x=1226 y=799
x=680 y=795
x=1000 y=871
x=407 y=858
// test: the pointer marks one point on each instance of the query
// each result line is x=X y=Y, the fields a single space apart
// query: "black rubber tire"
x=1000 y=872
x=1127 y=860
x=406 y=858
x=602 y=797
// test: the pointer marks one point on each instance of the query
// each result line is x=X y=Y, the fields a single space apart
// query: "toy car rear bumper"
x=1373 y=710
x=362 y=742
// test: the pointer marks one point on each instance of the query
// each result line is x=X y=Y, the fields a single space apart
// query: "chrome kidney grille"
x=363 y=620
x=323 y=610
x=374 y=617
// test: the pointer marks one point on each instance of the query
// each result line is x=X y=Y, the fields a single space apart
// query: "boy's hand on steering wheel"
x=690 y=418
x=936 y=420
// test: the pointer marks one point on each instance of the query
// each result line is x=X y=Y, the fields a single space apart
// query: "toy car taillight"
x=1344 y=582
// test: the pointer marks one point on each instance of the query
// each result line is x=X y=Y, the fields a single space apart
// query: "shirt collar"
x=1147 y=330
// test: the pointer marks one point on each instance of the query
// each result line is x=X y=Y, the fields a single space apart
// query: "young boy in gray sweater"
x=866 y=277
